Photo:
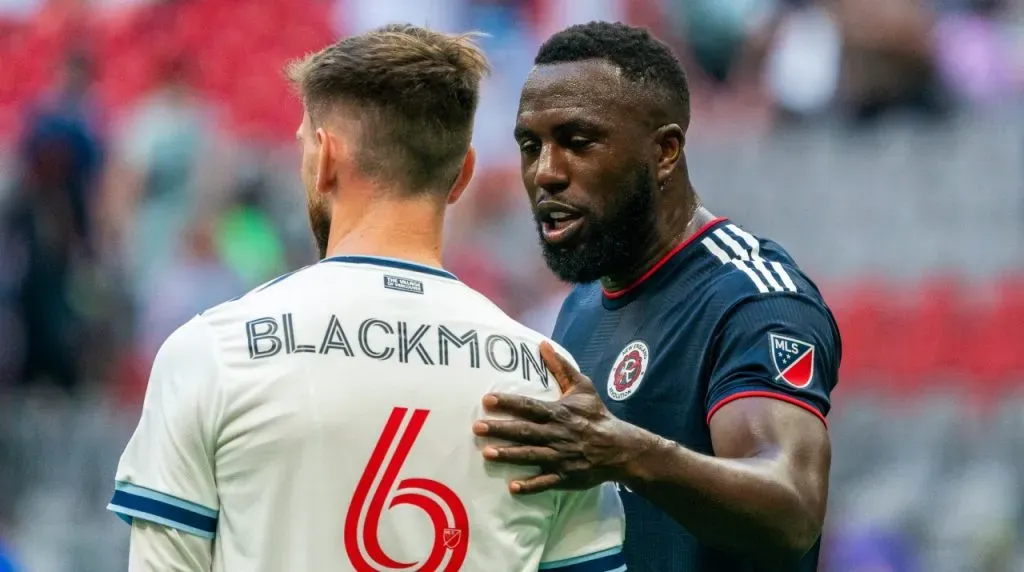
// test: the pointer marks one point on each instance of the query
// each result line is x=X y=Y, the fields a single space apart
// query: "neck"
x=409 y=229
x=677 y=222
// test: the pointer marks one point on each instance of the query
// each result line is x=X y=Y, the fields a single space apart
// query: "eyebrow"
x=579 y=124
x=569 y=125
x=521 y=132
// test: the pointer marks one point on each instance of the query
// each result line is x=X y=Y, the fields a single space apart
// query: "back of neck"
x=406 y=229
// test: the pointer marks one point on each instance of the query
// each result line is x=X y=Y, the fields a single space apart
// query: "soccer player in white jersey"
x=321 y=422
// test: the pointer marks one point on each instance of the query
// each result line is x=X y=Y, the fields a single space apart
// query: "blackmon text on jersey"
x=398 y=340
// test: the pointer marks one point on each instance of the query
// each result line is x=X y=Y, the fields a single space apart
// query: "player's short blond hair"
x=413 y=92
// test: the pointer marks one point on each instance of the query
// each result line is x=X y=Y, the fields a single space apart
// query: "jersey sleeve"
x=777 y=346
x=156 y=548
x=587 y=532
x=166 y=473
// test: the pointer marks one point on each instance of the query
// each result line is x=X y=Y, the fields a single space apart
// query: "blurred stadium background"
x=147 y=172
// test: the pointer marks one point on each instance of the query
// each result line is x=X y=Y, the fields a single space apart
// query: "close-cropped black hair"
x=641 y=57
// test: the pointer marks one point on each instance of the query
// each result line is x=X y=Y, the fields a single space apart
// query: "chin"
x=578 y=264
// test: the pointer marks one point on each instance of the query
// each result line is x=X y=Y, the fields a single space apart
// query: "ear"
x=465 y=176
x=327 y=152
x=669 y=140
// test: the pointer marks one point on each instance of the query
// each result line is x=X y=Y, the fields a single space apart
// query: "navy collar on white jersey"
x=392 y=263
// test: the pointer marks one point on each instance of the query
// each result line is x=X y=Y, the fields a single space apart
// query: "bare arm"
x=763 y=493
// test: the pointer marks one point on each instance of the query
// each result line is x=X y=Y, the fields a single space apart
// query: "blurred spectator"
x=723 y=45
x=195 y=279
x=247 y=239
x=509 y=43
x=803 y=66
x=976 y=51
x=48 y=223
x=720 y=34
x=62 y=144
x=167 y=164
x=888 y=58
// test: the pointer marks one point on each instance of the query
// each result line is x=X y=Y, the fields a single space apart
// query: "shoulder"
x=524 y=333
x=751 y=281
x=534 y=339
x=495 y=318
x=188 y=362
x=192 y=339
x=749 y=266
x=257 y=293
x=758 y=292
x=502 y=334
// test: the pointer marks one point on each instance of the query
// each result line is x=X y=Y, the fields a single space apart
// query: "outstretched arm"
x=763 y=494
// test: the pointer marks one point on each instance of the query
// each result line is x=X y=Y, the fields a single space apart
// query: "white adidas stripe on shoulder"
x=739 y=264
x=743 y=250
x=755 y=247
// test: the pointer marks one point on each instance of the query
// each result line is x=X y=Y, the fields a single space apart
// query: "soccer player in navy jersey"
x=707 y=356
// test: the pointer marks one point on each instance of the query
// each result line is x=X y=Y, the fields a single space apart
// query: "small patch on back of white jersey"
x=403 y=284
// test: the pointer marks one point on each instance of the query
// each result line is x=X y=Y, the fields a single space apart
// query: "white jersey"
x=323 y=422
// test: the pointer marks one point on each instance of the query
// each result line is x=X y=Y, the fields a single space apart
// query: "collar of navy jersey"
x=388 y=262
x=622 y=295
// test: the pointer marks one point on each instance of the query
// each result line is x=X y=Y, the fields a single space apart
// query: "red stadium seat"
x=1010 y=310
x=861 y=312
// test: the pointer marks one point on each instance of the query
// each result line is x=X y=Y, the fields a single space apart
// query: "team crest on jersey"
x=628 y=370
x=793 y=359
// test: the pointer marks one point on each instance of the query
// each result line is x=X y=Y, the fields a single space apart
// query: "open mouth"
x=558 y=222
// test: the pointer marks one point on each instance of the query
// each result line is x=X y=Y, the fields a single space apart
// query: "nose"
x=552 y=174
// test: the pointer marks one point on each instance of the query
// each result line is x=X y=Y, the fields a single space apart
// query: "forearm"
x=747 y=505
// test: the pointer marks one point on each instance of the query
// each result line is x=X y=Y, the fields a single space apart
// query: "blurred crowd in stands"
x=147 y=172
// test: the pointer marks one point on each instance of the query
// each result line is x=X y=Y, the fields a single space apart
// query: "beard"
x=320 y=224
x=613 y=244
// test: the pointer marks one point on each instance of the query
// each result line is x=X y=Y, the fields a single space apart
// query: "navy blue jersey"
x=725 y=315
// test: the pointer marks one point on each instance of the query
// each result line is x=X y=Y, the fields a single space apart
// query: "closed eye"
x=528 y=147
x=579 y=143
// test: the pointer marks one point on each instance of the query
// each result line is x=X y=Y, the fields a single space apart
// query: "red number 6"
x=448 y=516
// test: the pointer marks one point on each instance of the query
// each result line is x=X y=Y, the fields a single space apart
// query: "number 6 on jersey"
x=446 y=512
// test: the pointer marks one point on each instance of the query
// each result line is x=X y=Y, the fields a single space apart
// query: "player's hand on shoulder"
x=576 y=441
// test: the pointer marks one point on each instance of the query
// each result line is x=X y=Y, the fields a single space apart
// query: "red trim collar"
x=664 y=259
